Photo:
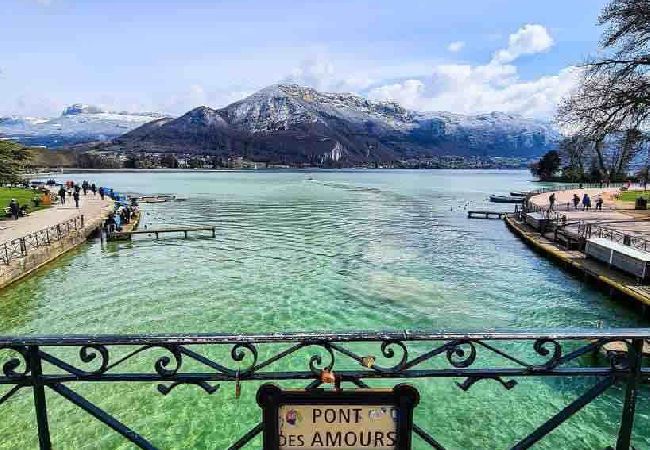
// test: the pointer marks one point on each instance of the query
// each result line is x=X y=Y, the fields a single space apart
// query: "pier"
x=159 y=231
x=485 y=214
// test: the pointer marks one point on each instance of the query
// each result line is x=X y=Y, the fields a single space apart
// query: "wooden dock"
x=486 y=214
x=159 y=231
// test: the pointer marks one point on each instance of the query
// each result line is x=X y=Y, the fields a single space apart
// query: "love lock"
x=368 y=361
x=237 y=386
x=327 y=376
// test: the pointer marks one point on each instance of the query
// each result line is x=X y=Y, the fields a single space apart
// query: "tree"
x=13 y=159
x=614 y=94
x=546 y=168
x=574 y=151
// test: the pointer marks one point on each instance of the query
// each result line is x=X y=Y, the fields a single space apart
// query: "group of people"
x=72 y=189
x=122 y=216
x=585 y=201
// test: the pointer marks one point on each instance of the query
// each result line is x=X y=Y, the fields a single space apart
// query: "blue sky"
x=171 y=55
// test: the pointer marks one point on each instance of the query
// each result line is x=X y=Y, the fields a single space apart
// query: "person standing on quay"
x=14 y=208
x=84 y=186
x=551 y=201
x=93 y=188
x=75 y=196
x=576 y=201
x=586 y=202
x=101 y=192
x=62 y=195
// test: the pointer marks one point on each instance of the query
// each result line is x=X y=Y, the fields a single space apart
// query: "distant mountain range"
x=292 y=124
x=295 y=124
x=77 y=124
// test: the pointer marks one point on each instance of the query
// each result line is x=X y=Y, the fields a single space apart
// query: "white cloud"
x=319 y=73
x=456 y=46
x=495 y=86
x=529 y=39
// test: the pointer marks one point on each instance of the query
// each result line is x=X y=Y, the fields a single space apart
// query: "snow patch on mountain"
x=78 y=123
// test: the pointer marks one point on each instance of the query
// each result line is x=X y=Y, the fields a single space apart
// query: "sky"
x=464 y=56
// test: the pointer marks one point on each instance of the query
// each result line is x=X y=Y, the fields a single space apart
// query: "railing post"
x=6 y=254
x=635 y=355
x=82 y=221
x=23 y=247
x=39 y=399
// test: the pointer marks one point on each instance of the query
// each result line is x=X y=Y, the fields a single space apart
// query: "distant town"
x=119 y=160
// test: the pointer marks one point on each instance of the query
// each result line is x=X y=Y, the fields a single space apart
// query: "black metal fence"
x=19 y=248
x=621 y=237
x=56 y=364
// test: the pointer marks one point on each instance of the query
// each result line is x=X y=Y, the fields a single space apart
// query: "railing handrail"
x=570 y=186
x=21 y=242
x=316 y=336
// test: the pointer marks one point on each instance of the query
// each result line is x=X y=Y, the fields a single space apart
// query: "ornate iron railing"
x=506 y=357
x=19 y=248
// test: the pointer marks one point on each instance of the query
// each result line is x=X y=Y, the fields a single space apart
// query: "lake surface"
x=323 y=250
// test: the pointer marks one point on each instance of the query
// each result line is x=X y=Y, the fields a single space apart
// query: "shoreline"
x=45 y=235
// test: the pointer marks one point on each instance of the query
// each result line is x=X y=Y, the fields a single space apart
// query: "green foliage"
x=13 y=159
x=23 y=197
x=631 y=196
x=547 y=167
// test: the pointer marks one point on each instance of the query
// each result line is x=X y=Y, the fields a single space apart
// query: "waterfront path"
x=92 y=207
x=616 y=215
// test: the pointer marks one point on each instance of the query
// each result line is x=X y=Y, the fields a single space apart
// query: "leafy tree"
x=546 y=168
x=13 y=159
x=574 y=151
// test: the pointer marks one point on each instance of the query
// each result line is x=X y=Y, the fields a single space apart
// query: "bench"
x=623 y=257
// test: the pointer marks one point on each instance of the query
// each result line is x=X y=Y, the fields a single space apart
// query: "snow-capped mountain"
x=295 y=124
x=78 y=123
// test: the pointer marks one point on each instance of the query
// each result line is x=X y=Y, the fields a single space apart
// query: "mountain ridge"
x=286 y=123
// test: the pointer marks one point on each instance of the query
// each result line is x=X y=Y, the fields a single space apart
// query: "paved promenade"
x=617 y=215
x=90 y=206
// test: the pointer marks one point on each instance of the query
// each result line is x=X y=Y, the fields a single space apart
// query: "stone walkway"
x=616 y=215
x=90 y=206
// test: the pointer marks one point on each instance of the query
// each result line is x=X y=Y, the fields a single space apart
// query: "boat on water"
x=155 y=198
x=518 y=194
x=506 y=199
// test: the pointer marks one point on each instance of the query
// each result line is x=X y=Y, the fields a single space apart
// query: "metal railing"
x=347 y=360
x=617 y=236
x=20 y=247
x=571 y=186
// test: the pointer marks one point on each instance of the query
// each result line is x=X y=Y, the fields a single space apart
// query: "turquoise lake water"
x=323 y=250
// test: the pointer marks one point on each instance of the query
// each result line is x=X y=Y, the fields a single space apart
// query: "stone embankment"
x=564 y=238
x=31 y=242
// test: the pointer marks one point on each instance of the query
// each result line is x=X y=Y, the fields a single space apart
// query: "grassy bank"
x=630 y=196
x=23 y=197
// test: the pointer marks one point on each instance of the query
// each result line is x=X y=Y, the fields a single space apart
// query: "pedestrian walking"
x=586 y=202
x=75 y=196
x=93 y=188
x=551 y=201
x=62 y=195
x=101 y=192
x=599 y=204
x=576 y=201
x=14 y=208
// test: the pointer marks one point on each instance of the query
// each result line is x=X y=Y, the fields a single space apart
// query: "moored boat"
x=506 y=199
